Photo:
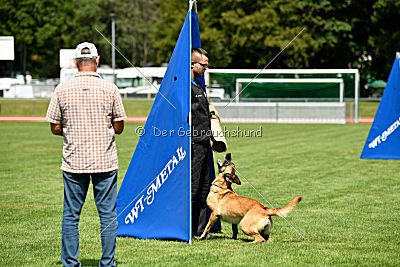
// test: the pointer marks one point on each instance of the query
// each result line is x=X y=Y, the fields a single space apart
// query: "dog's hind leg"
x=253 y=223
x=211 y=221
x=266 y=231
x=257 y=237
x=234 y=231
x=266 y=236
x=250 y=230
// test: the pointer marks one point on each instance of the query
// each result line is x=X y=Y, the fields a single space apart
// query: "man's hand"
x=56 y=129
x=118 y=126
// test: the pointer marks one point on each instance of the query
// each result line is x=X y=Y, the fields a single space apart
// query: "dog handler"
x=88 y=111
x=201 y=132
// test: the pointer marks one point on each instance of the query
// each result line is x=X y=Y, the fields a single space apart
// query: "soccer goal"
x=285 y=95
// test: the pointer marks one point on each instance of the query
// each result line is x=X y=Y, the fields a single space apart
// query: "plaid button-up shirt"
x=86 y=106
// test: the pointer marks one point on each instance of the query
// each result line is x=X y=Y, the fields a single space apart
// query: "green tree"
x=41 y=28
x=90 y=22
x=237 y=33
x=384 y=39
x=172 y=13
x=17 y=20
x=242 y=35
x=135 y=22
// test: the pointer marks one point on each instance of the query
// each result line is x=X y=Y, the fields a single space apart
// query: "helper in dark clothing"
x=201 y=133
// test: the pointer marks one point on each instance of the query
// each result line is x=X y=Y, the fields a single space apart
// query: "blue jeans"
x=105 y=194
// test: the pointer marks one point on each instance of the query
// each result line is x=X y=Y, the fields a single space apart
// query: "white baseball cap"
x=93 y=50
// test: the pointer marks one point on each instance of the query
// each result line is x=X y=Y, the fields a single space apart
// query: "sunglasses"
x=201 y=64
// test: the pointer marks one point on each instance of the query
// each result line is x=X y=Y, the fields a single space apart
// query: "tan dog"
x=254 y=218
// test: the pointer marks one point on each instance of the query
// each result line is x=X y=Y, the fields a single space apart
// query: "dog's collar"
x=223 y=188
x=218 y=186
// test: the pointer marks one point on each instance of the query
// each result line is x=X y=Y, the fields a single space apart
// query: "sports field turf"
x=349 y=213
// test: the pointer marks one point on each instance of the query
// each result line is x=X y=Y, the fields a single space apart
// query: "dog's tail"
x=282 y=212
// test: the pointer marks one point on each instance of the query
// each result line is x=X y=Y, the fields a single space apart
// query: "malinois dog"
x=254 y=217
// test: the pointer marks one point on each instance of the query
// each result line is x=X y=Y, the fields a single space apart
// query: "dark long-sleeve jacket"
x=201 y=124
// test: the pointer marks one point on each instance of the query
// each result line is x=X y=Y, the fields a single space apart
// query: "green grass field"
x=349 y=213
x=9 y=107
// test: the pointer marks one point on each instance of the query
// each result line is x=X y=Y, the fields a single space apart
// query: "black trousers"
x=200 y=186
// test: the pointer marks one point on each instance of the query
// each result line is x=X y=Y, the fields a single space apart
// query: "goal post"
x=303 y=86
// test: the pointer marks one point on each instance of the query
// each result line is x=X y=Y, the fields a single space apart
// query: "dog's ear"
x=228 y=159
x=237 y=180
x=221 y=166
x=232 y=179
x=219 y=163
x=231 y=176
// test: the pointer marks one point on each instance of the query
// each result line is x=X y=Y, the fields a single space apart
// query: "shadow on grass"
x=224 y=237
x=135 y=238
x=90 y=262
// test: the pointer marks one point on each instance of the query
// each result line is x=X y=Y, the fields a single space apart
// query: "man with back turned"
x=88 y=111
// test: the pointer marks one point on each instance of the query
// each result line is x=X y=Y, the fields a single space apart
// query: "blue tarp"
x=154 y=198
x=383 y=140
x=196 y=43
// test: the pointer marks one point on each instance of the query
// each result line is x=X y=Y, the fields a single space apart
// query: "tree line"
x=360 y=34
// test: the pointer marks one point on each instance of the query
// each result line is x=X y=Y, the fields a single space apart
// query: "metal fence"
x=280 y=112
